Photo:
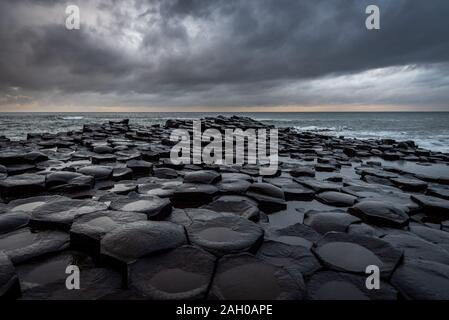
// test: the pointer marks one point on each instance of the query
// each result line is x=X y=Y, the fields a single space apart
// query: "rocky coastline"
x=108 y=199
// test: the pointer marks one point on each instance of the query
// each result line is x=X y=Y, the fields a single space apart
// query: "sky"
x=224 y=55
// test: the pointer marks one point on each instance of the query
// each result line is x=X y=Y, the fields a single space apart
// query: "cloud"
x=224 y=53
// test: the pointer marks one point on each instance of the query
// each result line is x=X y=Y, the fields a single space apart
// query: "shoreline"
x=108 y=197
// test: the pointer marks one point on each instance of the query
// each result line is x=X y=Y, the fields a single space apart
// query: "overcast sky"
x=224 y=55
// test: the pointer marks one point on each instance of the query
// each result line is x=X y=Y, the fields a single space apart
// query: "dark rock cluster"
x=109 y=200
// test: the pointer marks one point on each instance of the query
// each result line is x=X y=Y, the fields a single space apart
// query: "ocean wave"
x=72 y=118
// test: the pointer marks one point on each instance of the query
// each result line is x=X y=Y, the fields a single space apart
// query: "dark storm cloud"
x=237 y=52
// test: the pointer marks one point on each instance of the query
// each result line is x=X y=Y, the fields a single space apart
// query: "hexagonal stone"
x=190 y=194
x=88 y=230
x=292 y=190
x=124 y=187
x=165 y=173
x=422 y=280
x=103 y=158
x=122 y=174
x=233 y=186
x=61 y=213
x=9 y=282
x=270 y=198
x=98 y=172
x=302 y=172
x=154 y=207
x=409 y=184
x=331 y=285
x=30 y=204
x=23 y=244
x=417 y=248
x=182 y=273
x=318 y=186
x=432 y=235
x=323 y=222
x=432 y=205
x=298 y=260
x=383 y=194
x=296 y=235
x=245 y=277
x=51 y=268
x=336 y=199
x=68 y=181
x=232 y=176
x=438 y=192
x=202 y=176
x=239 y=205
x=160 y=188
x=140 y=167
x=380 y=213
x=13 y=221
x=44 y=279
x=22 y=185
x=131 y=241
x=353 y=253
x=225 y=235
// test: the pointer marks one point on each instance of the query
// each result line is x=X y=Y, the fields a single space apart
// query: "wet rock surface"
x=247 y=277
x=225 y=235
x=309 y=230
x=183 y=273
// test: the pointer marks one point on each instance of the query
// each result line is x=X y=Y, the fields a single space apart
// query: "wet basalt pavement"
x=108 y=199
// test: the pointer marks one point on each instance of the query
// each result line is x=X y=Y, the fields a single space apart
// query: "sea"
x=430 y=130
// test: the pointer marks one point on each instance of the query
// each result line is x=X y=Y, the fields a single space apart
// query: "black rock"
x=165 y=173
x=417 y=248
x=183 y=273
x=323 y=222
x=353 y=253
x=245 y=277
x=422 y=280
x=98 y=172
x=239 y=205
x=60 y=213
x=302 y=172
x=68 y=181
x=318 y=186
x=432 y=205
x=270 y=198
x=88 y=230
x=235 y=186
x=124 y=187
x=154 y=207
x=432 y=235
x=160 y=188
x=336 y=199
x=331 y=285
x=23 y=244
x=410 y=184
x=140 y=167
x=297 y=235
x=194 y=194
x=292 y=190
x=298 y=260
x=33 y=203
x=131 y=241
x=380 y=213
x=202 y=176
x=225 y=235
x=9 y=282
x=13 y=221
x=22 y=185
